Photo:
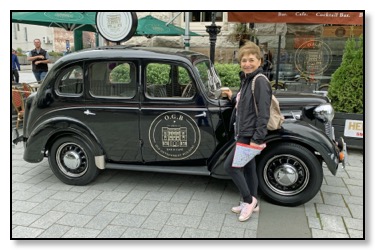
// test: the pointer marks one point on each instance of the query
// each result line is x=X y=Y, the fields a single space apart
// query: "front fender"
x=37 y=143
x=299 y=132
x=312 y=137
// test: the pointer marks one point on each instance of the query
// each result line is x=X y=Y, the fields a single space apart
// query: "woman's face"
x=250 y=63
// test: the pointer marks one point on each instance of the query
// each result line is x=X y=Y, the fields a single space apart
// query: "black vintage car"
x=157 y=109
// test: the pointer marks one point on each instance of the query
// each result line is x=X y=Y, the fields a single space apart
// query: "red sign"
x=323 y=17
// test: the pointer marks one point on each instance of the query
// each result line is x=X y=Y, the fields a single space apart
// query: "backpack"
x=276 y=118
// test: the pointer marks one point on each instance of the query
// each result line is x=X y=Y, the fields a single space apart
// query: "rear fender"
x=42 y=137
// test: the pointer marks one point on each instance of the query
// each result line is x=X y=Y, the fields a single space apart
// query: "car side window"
x=165 y=80
x=70 y=81
x=113 y=79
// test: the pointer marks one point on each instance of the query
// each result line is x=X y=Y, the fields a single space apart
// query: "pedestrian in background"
x=250 y=127
x=40 y=59
x=15 y=68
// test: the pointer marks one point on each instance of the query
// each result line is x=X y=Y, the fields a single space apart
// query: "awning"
x=323 y=17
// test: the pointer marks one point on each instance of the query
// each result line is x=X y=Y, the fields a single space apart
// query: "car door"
x=175 y=123
x=112 y=108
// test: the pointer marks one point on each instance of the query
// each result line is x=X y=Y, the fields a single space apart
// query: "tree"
x=346 y=87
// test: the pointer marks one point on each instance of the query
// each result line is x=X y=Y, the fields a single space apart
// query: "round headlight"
x=324 y=112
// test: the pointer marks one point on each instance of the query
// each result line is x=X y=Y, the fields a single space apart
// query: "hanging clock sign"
x=116 y=26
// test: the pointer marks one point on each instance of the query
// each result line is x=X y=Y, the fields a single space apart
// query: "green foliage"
x=121 y=73
x=53 y=53
x=228 y=74
x=346 y=87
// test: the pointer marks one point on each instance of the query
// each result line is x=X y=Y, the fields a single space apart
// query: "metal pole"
x=213 y=30
x=187 y=31
x=277 y=63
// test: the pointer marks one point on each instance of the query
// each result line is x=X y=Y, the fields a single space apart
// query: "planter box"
x=339 y=125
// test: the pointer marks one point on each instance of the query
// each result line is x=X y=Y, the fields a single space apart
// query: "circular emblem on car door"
x=174 y=135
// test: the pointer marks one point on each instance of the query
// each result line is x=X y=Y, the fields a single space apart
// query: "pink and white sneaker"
x=238 y=209
x=247 y=210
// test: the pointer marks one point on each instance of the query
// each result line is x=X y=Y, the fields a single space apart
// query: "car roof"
x=121 y=51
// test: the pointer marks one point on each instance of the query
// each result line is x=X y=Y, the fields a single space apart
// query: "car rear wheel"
x=289 y=174
x=72 y=162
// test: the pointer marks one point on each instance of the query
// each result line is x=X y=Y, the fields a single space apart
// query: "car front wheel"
x=289 y=174
x=72 y=162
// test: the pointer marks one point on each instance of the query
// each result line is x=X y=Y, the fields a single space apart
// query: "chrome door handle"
x=88 y=112
x=204 y=114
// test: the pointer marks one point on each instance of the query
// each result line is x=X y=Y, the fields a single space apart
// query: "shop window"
x=205 y=16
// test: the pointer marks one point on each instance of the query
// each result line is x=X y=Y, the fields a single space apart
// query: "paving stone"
x=352 y=223
x=198 y=233
x=94 y=207
x=139 y=233
x=158 y=196
x=334 y=181
x=129 y=220
x=65 y=196
x=355 y=190
x=47 y=220
x=182 y=196
x=156 y=220
x=250 y=234
x=55 y=231
x=22 y=195
x=101 y=221
x=333 y=210
x=134 y=196
x=210 y=196
x=356 y=233
x=111 y=196
x=24 y=219
x=353 y=182
x=231 y=220
x=119 y=207
x=112 y=231
x=335 y=190
x=184 y=220
x=232 y=232
x=171 y=232
x=42 y=196
x=70 y=207
x=74 y=220
x=333 y=199
x=321 y=234
x=79 y=233
x=45 y=206
x=314 y=222
x=332 y=223
x=196 y=207
x=211 y=221
x=353 y=199
x=170 y=207
x=26 y=232
x=88 y=196
x=23 y=206
x=144 y=207
x=356 y=211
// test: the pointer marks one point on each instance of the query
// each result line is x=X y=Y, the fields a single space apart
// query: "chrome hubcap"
x=286 y=174
x=72 y=160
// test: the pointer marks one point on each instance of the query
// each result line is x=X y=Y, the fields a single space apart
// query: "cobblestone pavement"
x=130 y=204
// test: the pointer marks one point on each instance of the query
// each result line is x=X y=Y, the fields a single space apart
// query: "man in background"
x=40 y=59
x=15 y=68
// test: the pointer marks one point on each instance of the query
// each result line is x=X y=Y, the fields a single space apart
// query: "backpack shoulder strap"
x=254 y=79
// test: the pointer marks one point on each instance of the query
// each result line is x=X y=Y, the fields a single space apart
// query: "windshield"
x=211 y=81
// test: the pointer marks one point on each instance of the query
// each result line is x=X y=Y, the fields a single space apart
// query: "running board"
x=192 y=170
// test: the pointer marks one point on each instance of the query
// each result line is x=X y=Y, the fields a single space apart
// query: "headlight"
x=324 y=112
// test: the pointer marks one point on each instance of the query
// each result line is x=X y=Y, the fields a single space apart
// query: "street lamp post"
x=213 y=30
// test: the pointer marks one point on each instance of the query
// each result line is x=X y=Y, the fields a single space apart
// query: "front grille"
x=329 y=130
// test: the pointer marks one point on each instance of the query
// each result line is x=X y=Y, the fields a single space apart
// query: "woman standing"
x=250 y=128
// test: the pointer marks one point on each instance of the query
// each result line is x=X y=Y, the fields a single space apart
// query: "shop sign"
x=353 y=128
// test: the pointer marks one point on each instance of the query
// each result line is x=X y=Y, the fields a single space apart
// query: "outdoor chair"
x=27 y=89
x=18 y=104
